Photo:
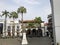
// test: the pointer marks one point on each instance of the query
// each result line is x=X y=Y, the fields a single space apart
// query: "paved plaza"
x=10 y=41
x=31 y=41
x=39 y=41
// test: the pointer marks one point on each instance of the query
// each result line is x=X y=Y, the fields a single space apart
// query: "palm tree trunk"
x=13 y=31
x=5 y=25
x=22 y=22
x=24 y=40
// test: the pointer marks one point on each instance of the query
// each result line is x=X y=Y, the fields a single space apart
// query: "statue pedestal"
x=24 y=40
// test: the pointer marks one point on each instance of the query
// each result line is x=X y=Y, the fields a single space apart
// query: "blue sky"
x=35 y=8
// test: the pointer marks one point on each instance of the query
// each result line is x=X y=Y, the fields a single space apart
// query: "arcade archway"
x=1 y=28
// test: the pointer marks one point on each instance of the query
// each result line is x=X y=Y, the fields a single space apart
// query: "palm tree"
x=14 y=15
x=22 y=10
x=5 y=13
x=30 y=25
x=38 y=20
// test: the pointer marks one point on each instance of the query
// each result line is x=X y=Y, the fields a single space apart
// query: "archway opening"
x=1 y=28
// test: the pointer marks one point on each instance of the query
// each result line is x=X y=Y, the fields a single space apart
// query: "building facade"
x=13 y=28
x=56 y=23
x=10 y=28
x=50 y=26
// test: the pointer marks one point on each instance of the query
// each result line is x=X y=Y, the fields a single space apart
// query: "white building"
x=56 y=20
x=10 y=28
x=14 y=28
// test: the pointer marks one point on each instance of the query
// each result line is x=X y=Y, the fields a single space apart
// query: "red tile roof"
x=27 y=21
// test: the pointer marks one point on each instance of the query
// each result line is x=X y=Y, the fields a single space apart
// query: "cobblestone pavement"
x=31 y=41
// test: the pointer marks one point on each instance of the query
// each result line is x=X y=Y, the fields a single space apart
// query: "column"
x=6 y=30
x=3 y=31
x=11 y=29
x=20 y=34
x=37 y=32
x=31 y=32
x=43 y=33
x=15 y=30
x=43 y=28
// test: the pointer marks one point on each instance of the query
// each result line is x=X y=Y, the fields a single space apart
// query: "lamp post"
x=43 y=29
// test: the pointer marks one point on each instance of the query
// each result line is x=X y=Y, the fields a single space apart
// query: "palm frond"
x=21 y=10
x=5 y=13
x=13 y=14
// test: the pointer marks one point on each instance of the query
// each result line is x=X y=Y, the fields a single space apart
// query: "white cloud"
x=5 y=6
x=32 y=2
x=16 y=1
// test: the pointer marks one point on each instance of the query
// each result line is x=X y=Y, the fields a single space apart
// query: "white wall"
x=56 y=10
